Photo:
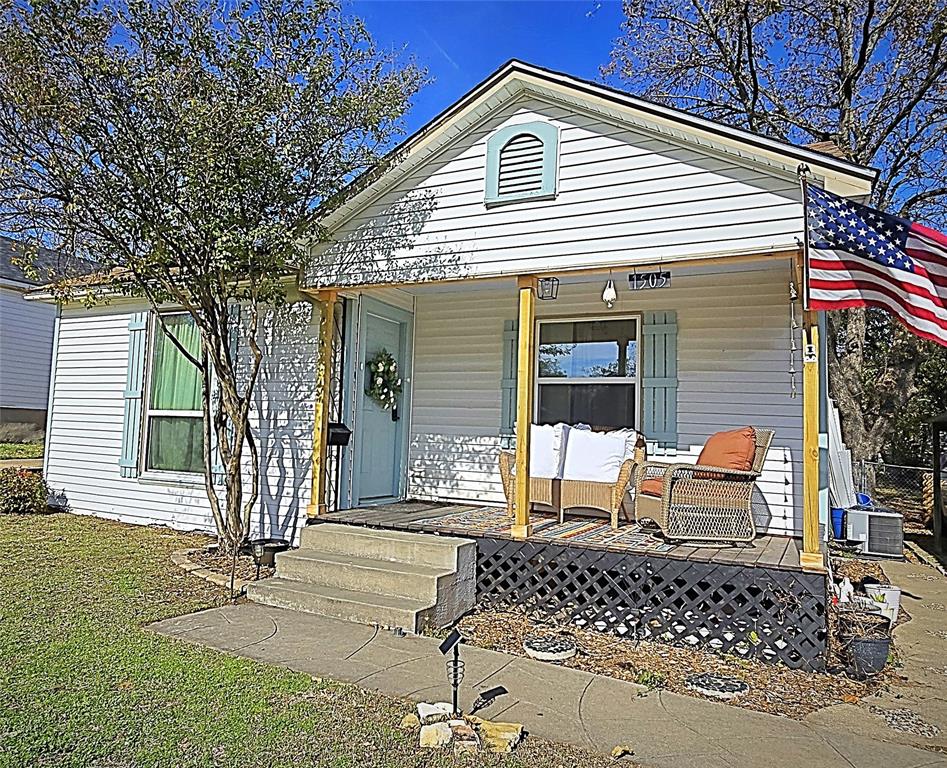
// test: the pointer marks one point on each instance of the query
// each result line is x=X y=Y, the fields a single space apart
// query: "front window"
x=588 y=372
x=175 y=428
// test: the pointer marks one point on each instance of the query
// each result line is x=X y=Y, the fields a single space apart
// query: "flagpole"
x=803 y=172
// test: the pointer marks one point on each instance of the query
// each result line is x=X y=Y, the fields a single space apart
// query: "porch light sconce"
x=548 y=289
x=610 y=295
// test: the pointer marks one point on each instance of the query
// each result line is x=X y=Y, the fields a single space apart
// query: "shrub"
x=20 y=432
x=22 y=492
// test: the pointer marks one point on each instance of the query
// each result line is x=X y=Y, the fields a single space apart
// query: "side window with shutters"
x=659 y=373
x=162 y=428
x=522 y=163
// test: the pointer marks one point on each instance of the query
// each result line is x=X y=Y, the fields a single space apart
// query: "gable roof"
x=516 y=78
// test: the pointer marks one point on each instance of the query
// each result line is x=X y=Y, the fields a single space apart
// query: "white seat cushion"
x=546 y=442
x=595 y=456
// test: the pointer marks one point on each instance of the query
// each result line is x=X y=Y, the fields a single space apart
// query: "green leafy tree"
x=185 y=146
x=869 y=76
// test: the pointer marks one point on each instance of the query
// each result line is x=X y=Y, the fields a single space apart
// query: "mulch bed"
x=858 y=570
x=219 y=563
x=774 y=689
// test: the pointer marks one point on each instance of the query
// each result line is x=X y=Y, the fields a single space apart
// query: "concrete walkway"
x=21 y=463
x=561 y=704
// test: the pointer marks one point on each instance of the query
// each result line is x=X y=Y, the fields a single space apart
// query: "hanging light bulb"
x=610 y=295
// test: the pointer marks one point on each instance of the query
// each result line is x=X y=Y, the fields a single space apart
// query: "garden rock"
x=466 y=740
x=410 y=721
x=498 y=737
x=435 y=735
x=438 y=712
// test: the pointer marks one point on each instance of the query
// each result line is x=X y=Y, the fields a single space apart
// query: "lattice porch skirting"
x=768 y=614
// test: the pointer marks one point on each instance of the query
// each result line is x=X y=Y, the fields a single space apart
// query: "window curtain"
x=175 y=380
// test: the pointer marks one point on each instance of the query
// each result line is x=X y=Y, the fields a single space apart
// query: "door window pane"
x=588 y=349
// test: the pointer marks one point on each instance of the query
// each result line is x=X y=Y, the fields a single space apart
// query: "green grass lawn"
x=82 y=683
x=21 y=451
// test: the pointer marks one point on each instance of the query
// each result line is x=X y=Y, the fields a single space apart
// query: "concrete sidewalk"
x=553 y=702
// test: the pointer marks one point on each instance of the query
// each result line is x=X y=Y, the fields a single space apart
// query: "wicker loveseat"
x=562 y=493
x=699 y=501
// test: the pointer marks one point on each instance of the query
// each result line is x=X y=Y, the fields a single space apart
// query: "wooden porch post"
x=811 y=555
x=525 y=380
x=320 y=427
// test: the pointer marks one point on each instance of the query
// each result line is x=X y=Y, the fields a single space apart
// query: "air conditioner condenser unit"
x=877 y=530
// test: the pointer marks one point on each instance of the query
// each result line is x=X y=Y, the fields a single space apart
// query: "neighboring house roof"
x=46 y=262
x=516 y=78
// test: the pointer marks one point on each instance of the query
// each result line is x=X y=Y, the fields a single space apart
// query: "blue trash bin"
x=838 y=523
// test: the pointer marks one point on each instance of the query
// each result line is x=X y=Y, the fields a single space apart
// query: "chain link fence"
x=908 y=490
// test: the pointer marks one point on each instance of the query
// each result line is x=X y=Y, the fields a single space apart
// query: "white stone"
x=434 y=713
x=435 y=735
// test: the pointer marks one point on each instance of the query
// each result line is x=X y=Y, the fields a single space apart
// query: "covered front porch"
x=484 y=360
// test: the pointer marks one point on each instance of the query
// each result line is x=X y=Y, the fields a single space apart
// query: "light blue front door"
x=382 y=432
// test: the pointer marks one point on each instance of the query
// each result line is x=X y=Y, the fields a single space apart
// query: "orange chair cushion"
x=731 y=450
x=653 y=486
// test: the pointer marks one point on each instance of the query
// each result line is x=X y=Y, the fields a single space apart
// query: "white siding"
x=26 y=346
x=733 y=361
x=84 y=443
x=623 y=196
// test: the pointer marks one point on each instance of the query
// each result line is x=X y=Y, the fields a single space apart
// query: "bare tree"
x=184 y=146
x=867 y=75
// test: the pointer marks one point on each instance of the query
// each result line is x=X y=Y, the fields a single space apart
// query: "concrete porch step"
x=344 y=604
x=344 y=571
x=396 y=579
x=396 y=546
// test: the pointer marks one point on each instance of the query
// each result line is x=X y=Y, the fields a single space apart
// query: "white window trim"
x=638 y=317
x=162 y=476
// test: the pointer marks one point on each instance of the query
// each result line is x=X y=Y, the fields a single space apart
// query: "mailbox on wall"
x=339 y=434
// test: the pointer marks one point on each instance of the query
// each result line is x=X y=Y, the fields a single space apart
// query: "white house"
x=434 y=258
x=26 y=343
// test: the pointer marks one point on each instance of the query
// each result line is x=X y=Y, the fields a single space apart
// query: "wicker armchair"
x=570 y=494
x=542 y=490
x=699 y=502
x=607 y=497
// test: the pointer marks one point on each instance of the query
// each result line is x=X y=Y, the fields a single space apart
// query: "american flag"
x=861 y=257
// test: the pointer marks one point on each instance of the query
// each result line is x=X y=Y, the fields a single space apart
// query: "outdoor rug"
x=591 y=532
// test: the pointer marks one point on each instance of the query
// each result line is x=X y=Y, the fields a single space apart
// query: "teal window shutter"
x=233 y=313
x=659 y=353
x=134 y=389
x=508 y=382
x=522 y=162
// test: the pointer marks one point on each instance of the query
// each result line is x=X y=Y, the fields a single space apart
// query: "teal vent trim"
x=522 y=163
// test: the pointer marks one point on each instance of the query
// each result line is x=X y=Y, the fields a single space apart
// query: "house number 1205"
x=640 y=281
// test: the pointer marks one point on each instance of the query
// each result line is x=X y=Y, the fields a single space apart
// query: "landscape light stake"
x=455 y=667
x=258 y=551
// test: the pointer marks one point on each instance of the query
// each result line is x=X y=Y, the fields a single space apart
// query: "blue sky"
x=460 y=42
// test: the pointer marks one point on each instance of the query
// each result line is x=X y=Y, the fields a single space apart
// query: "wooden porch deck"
x=779 y=552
